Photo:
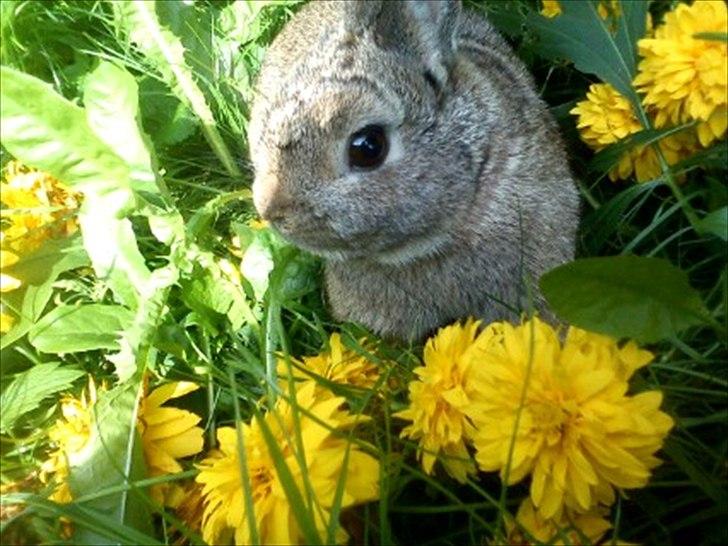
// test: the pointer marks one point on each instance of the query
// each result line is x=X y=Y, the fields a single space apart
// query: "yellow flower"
x=683 y=77
x=550 y=8
x=190 y=509
x=339 y=365
x=37 y=207
x=70 y=435
x=606 y=117
x=538 y=530
x=440 y=398
x=230 y=271
x=258 y=224
x=7 y=284
x=324 y=451
x=579 y=435
x=168 y=434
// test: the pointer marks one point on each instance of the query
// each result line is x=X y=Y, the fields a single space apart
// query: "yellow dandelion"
x=606 y=117
x=258 y=224
x=319 y=420
x=189 y=510
x=550 y=8
x=8 y=283
x=579 y=434
x=230 y=271
x=339 y=365
x=37 y=207
x=70 y=436
x=168 y=434
x=440 y=398
x=572 y=527
x=685 y=77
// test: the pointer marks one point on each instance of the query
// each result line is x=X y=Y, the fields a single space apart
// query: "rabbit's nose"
x=272 y=205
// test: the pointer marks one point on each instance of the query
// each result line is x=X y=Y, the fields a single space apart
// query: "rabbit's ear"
x=359 y=15
x=432 y=27
x=424 y=29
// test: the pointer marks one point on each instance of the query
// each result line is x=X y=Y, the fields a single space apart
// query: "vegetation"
x=150 y=319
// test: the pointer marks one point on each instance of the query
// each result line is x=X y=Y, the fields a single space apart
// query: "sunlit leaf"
x=44 y=130
x=38 y=271
x=71 y=328
x=138 y=335
x=113 y=457
x=167 y=119
x=29 y=388
x=111 y=99
x=165 y=52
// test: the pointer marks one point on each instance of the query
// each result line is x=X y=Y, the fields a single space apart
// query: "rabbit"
x=404 y=142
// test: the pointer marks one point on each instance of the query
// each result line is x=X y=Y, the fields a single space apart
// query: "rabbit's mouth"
x=330 y=246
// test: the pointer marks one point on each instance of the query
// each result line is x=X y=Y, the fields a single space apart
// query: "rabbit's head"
x=353 y=151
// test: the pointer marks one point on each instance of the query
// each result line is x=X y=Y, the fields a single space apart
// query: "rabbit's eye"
x=368 y=147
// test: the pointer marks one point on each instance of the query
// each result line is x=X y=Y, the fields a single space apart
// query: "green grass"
x=182 y=336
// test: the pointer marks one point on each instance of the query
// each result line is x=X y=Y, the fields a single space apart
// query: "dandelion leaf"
x=113 y=458
x=44 y=130
x=605 y=47
x=72 y=329
x=30 y=387
x=38 y=272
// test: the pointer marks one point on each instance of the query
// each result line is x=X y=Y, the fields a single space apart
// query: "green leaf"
x=598 y=226
x=303 y=516
x=607 y=158
x=193 y=26
x=294 y=274
x=113 y=457
x=167 y=119
x=716 y=223
x=695 y=471
x=207 y=289
x=138 y=337
x=29 y=388
x=256 y=266
x=111 y=98
x=715 y=157
x=111 y=244
x=712 y=36
x=647 y=299
x=38 y=271
x=104 y=529
x=507 y=17
x=44 y=130
x=70 y=328
x=606 y=48
x=166 y=53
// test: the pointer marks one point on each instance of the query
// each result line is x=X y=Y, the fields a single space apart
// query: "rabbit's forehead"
x=335 y=105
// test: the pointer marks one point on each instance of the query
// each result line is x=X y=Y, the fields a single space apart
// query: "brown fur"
x=475 y=196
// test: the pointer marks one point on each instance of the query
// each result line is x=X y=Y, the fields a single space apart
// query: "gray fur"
x=475 y=195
